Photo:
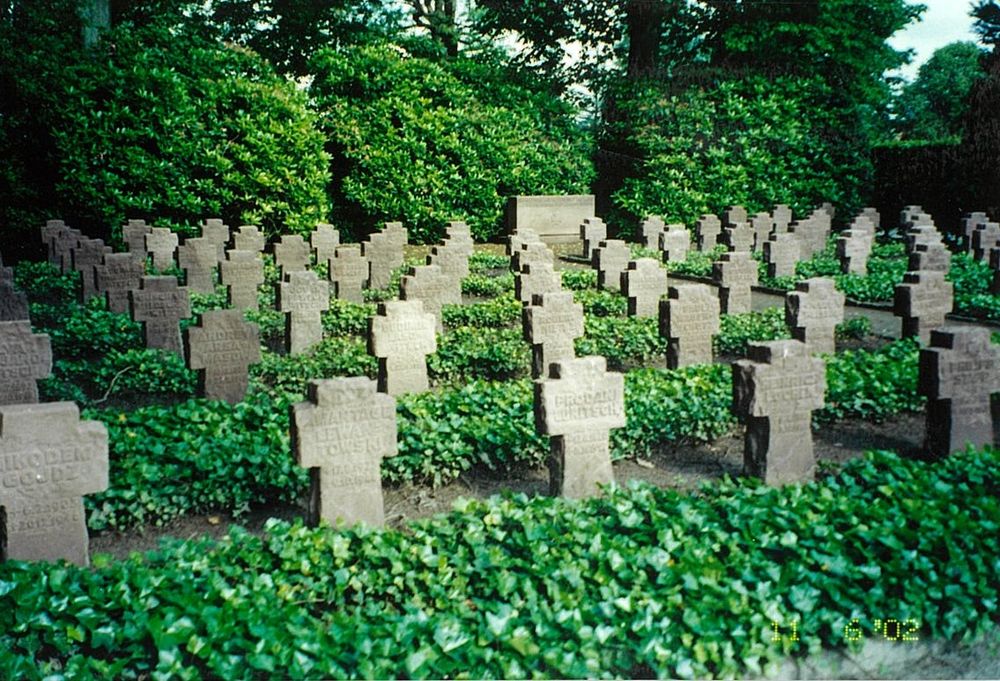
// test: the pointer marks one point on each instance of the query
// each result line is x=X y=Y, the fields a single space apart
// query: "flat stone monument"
x=781 y=253
x=957 y=374
x=401 y=336
x=577 y=406
x=650 y=230
x=689 y=317
x=198 y=260
x=159 y=303
x=341 y=434
x=25 y=358
x=324 y=241
x=536 y=278
x=348 y=271
x=922 y=300
x=248 y=238
x=221 y=349
x=242 y=273
x=644 y=282
x=554 y=218
x=776 y=390
x=50 y=460
x=118 y=274
x=433 y=287
x=161 y=244
x=707 y=230
x=735 y=273
x=592 y=232
x=675 y=243
x=550 y=325
x=216 y=232
x=291 y=254
x=812 y=312
x=303 y=297
x=610 y=259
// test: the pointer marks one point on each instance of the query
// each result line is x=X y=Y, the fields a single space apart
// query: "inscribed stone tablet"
x=65 y=240
x=160 y=305
x=49 y=459
x=116 y=276
x=342 y=433
x=531 y=253
x=134 y=235
x=303 y=296
x=738 y=237
x=553 y=218
x=25 y=357
x=650 y=230
x=221 y=348
x=87 y=254
x=781 y=253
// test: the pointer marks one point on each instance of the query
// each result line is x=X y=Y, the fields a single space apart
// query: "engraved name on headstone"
x=291 y=254
x=644 y=282
x=922 y=300
x=159 y=303
x=735 y=273
x=303 y=297
x=134 y=235
x=221 y=348
x=535 y=279
x=118 y=274
x=401 y=336
x=25 y=358
x=161 y=244
x=216 y=232
x=242 y=273
x=433 y=287
x=812 y=311
x=324 y=241
x=781 y=253
x=348 y=271
x=708 y=228
x=248 y=238
x=592 y=232
x=689 y=317
x=197 y=257
x=550 y=325
x=610 y=259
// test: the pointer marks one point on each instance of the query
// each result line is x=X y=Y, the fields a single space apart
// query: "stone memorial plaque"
x=197 y=257
x=216 y=232
x=922 y=300
x=577 y=405
x=689 y=318
x=644 y=282
x=708 y=228
x=342 y=433
x=348 y=271
x=159 y=303
x=248 y=238
x=592 y=232
x=776 y=390
x=610 y=259
x=433 y=287
x=536 y=278
x=242 y=273
x=291 y=254
x=735 y=273
x=324 y=241
x=118 y=274
x=553 y=218
x=221 y=348
x=401 y=336
x=957 y=375
x=303 y=297
x=161 y=244
x=812 y=311
x=550 y=324
x=25 y=358
x=781 y=253
x=49 y=459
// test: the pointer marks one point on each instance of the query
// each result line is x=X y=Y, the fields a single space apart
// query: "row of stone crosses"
x=49 y=458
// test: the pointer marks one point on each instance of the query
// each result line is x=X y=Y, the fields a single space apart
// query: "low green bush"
x=504 y=310
x=120 y=373
x=624 y=341
x=972 y=280
x=467 y=353
x=345 y=318
x=853 y=329
x=736 y=331
x=488 y=286
x=89 y=331
x=641 y=582
x=872 y=384
x=485 y=261
x=332 y=357
x=579 y=280
x=697 y=263
x=601 y=303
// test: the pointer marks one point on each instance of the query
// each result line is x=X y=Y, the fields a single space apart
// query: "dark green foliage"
x=738 y=330
x=624 y=341
x=87 y=332
x=346 y=318
x=932 y=106
x=505 y=310
x=854 y=329
x=487 y=285
x=332 y=357
x=484 y=261
x=643 y=581
x=426 y=142
x=601 y=303
x=697 y=264
x=467 y=353
x=972 y=280
x=119 y=373
x=579 y=280
x=872 y=385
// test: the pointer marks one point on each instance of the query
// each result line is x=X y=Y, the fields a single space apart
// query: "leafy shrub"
x=972 y=280
x=345 y=318
x=129 y=372
x=468 y=353
x=331 y=357
x=622 y=340
x=504 y=310
x=697 y=263
x=601 y=303
x=485 y=261
x=91 y=331
x=736 y=331
x=187 y=128
x=642 y=581
x=579 y=280
x=44 y=283
x=401 y=125
x=488 y=286
x=853 y=329
x=872 y=385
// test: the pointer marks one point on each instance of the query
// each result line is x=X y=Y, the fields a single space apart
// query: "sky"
x=944 y=21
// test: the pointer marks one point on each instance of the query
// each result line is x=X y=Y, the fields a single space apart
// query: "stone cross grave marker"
x=529 y=254
x=457 y=233
x=854 y=245
x=161 y=244
x=689 y=318
x=453 y=260
x=829 y=209
x=969 y=224
x=776 y=390
x=401 y=336
x=995 y=266
x=957 y=375
x=675 y=243
x=88 y=254
x=734 y=215
x=650 y=230
x=433 y=287
x=324 y=241
x=48 y=232
x=221 y=348
x=738 y=238
x=118 y=274
x=985 y=238
x=383 y=254
x=303 y=297
x=812 y=311
x=522 y=236
x=910 y=213
x=592 y=232
x=25 y=358
x=348 y=271
x=49 y=459
x=13 y=303
x=610 y=259
x=248 y=238
x=930 y=256
x=198 y=260
x=921 y=234
x=577 y=406
x=922 y=300
x=63 y=243
x=735 y=273
x=159 y=303
x=291 y=254
x=762 y=225
x=216 y=232
x=341 y=433
x=872 y=215
x=781 y=217
x=812 y=233
x=708 y=228
x=550 y=325
x=781 y=253
x=644 y=282
x=536 y=278
x=134 y=235
x=242 y=273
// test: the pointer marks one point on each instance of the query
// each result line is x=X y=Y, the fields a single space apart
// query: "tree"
x=981 y=140
x=933 y=106
x=987 y=21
